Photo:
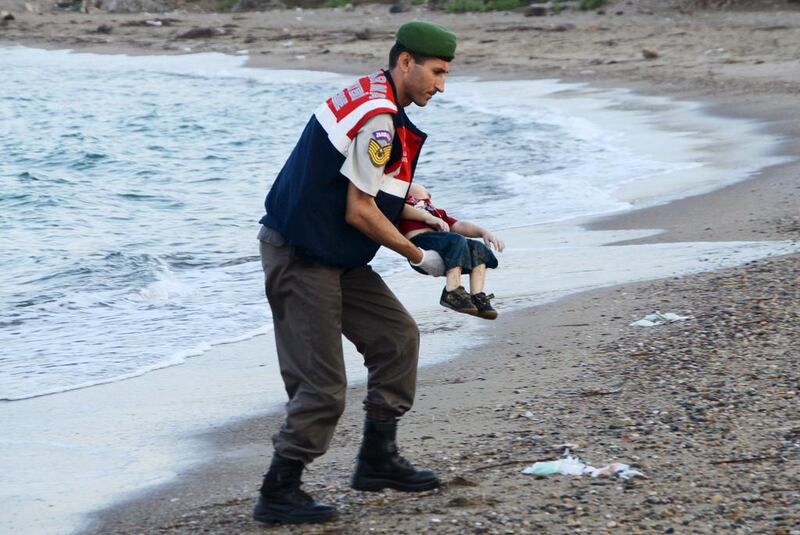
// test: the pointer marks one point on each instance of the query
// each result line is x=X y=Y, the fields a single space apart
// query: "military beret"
x=427 y=39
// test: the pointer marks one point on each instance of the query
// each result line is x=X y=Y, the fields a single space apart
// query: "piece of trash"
x=657 y=318
x=568 y=466
x=572 y=466
x=155 y=22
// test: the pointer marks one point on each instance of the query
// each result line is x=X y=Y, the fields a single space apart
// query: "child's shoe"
x=458 y=300
x=484 y=306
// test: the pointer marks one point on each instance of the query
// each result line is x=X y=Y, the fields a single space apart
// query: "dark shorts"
x=456 y=250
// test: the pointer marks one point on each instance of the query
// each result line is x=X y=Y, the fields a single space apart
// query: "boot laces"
x=299 y=495
x=403 y=461
x=394 y=452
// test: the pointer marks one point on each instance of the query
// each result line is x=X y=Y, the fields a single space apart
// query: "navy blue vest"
x=307 y=201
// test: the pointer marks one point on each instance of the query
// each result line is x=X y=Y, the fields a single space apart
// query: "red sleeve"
x=441 y=214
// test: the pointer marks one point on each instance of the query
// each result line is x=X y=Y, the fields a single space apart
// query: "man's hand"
x=493 y=241
x=362 y=213
x=431 y=263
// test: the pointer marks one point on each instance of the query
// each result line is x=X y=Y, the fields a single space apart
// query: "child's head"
x=418 y=191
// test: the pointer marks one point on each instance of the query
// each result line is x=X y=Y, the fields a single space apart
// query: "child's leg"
x=477 y=278
x=453 y=279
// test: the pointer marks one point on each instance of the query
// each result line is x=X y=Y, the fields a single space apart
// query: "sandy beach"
x=706 y=408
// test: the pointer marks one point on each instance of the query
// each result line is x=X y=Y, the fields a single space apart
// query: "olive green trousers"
x=313 y=305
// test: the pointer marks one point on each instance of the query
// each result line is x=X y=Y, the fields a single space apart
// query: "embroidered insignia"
x=380 y=147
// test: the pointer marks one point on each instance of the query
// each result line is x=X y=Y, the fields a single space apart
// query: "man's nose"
x=440 y=85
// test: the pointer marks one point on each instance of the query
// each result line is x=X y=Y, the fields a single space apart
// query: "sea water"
x=131 y=191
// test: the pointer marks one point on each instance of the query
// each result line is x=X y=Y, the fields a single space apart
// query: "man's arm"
x=364 y=214
x=472 y=230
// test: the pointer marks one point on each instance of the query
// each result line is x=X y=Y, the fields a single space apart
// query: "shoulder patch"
x=380 y=147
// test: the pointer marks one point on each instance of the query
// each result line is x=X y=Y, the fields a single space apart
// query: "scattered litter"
x=657 y=318
x=572 y=466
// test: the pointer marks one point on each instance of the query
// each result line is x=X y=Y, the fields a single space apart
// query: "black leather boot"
x=281 y=499
x=380 y=466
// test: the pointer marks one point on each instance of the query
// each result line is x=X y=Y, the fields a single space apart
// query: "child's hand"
x=440 y=224
x=493 y=241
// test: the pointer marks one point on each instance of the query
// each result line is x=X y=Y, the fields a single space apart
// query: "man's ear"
x=405 y=61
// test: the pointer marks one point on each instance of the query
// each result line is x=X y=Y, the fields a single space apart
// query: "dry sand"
x=706 y=408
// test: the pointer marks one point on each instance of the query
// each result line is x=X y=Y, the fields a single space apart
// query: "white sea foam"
x=165 y=288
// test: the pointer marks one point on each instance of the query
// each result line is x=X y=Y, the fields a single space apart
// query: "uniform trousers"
x=313 y=305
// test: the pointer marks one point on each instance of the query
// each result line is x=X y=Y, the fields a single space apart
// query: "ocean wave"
x=173 y=359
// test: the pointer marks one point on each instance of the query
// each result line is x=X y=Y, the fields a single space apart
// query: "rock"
x=257 y=5
x=536 y=11
x=199 y=33
x=364 y=34
x=156 y=23
x=104 y=28
x=5 y=16
x=138 y=6
x=651 y=53
x=460 y=481
x=400 y=6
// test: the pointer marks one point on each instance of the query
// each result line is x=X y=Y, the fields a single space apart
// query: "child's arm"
x=414 y=214
x=472 y=230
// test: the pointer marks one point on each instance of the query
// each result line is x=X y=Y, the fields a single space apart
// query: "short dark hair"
x=398 y=48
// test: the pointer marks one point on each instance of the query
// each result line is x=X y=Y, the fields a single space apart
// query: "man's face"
x=423 y=80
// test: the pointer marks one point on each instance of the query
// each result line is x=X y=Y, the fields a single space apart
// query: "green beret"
x=427 y=39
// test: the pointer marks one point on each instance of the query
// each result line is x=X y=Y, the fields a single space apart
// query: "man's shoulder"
x=372 y=92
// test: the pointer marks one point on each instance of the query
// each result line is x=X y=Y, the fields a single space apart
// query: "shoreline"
x=219 y=500
x=242 y=449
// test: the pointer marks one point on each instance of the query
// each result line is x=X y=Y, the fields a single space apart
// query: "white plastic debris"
x=657 y=318
x=572 y=466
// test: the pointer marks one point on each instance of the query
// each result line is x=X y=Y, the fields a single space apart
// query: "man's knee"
x=321 y=407
x=409 y=334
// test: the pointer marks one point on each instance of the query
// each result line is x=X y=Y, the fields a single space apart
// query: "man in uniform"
x=329 y=210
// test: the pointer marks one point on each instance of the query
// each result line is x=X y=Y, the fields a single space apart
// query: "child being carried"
x=432 y=228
